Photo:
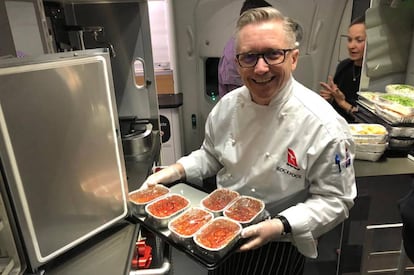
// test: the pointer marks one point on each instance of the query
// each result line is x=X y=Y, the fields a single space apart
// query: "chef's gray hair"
x=265 y=14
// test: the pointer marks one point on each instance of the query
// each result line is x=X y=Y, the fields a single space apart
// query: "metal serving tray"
x=209 y=260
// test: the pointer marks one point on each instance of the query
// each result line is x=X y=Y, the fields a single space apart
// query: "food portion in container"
x=189 y=222
x=217 y=200
x=163 y=209
x=370 y=140
x=368 y=133
x=244 y=209
x=219 y=235
x=142 y=197
x=367 y=129
x=148 y=194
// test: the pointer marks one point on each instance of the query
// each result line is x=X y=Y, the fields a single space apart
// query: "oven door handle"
x=164 y=269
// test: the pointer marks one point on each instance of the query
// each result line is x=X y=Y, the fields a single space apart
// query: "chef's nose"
x=261 y=66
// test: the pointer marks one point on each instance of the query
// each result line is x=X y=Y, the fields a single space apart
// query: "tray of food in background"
x=392 y=117
x=402 y=105
x=400 y=89
x=368 y=99
x=180 y=229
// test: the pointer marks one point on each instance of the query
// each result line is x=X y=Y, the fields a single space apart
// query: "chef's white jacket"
x=297 y=144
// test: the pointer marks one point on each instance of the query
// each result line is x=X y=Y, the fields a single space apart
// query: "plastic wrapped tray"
x=400 y=89
x=369 y=98
x=397 y=103
x=392 y=117
x=245 y=210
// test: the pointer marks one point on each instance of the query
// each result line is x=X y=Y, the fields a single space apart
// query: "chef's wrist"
x=287 y=229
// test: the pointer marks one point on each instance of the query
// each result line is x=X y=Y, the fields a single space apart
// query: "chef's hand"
x=167 y=175
x=261 y=233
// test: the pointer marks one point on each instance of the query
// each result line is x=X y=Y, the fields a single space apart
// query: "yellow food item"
x=367 y=130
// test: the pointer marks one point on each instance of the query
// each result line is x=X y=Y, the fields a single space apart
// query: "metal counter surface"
x=108 y=253
x=388 y=166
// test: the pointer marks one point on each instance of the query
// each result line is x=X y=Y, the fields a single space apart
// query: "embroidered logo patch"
x=291 y=159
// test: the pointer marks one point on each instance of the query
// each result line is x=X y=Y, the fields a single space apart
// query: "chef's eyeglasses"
x=273 y=57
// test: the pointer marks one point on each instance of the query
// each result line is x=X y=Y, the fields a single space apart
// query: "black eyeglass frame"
x=258 y=55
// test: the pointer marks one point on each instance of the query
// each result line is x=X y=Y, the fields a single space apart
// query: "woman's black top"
x=347 y=77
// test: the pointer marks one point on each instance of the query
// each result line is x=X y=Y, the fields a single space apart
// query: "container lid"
x=61 y=151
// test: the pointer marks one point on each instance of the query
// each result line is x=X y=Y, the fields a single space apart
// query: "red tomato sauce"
x=218 y=234
x=219 y=199
x=148 y=194
x=190 y=221
x=167 y=206
x=243 y=209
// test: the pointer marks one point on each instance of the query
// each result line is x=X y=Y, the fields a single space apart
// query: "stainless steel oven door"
x=61 y=150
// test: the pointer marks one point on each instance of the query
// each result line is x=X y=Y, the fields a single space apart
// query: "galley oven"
x=77 y=133
x=64 y=187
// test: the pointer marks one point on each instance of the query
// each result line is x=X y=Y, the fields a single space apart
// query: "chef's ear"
x=294 y=55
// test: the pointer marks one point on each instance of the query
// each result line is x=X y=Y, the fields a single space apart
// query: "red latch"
x=142 y=256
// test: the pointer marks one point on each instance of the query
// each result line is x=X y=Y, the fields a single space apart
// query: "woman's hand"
x=328 y=88
x=261 y=233
x=331 y=92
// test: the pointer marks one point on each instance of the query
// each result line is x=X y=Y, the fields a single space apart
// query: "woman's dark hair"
x=252 y=4
x=358 y=20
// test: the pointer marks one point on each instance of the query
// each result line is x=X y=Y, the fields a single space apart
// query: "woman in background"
x=341 y=90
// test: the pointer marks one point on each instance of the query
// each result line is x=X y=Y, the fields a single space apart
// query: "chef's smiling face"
x=263 y=81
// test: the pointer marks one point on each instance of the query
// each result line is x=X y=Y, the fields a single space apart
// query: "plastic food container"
x=371 y=147
x=163 y=209
x=219 y=199
x=368 y=155
x=368 y=133
x=140 y=198
x=185 y=225
x=245 y=210
x=218 y=236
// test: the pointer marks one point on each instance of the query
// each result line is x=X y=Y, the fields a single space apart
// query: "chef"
x=278 y=141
